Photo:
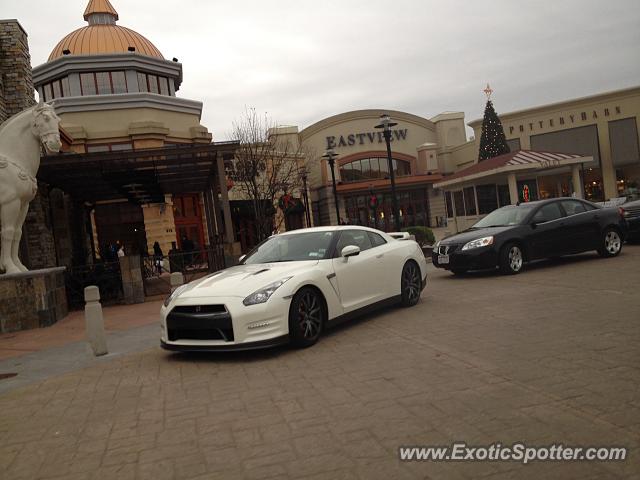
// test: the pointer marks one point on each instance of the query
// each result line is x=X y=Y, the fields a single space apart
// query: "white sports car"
x=292 y=286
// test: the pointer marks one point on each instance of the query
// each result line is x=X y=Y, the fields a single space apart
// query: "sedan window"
x=359 y=238
x=547 y=213
x=376 y=240
x=573 y=207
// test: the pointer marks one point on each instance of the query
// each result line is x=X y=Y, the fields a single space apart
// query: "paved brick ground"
x=547 y=356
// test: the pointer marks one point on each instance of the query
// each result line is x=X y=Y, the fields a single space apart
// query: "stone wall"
x=39 y=249
x=32 y=299
x=16 y=82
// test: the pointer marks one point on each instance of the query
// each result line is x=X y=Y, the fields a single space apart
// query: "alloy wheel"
x=515 y=258
x=411 y=282
x=612 y=242
x=309 y=315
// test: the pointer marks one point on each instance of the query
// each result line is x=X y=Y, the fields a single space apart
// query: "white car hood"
x=243 y=280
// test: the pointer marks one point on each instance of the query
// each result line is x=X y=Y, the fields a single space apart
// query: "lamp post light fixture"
x=305 y=197
x=330 y=155
x=385 y=125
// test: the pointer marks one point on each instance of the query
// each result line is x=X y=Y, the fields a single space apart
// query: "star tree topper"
x=488 y=91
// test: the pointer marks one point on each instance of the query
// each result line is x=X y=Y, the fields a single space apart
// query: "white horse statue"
x=20 y=139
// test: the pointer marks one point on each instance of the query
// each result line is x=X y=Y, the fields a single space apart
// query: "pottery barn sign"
x=565 y=120
x=364 y=138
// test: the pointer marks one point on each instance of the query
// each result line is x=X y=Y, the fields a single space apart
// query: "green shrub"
x=424 y=235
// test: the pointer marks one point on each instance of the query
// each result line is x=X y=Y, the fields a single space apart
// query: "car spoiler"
x=400 y=235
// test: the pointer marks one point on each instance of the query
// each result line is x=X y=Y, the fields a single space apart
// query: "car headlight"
x=262 y=295
x=480 y=242
x=175 y=294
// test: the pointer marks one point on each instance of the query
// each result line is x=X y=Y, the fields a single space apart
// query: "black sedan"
x=510 y=236
x=631 y=213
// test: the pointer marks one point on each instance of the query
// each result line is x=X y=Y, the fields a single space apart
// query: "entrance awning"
x=140 y=176
x=518 y=161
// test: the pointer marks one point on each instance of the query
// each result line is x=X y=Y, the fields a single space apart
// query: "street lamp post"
x=385 y=125
x=305 y=197
x=331 y=156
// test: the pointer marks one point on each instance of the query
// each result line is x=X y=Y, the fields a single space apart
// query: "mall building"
x=116 y=94
x=419 y=146
x=586 y=147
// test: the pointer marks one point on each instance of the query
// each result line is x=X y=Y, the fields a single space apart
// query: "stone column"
x=132 y=282
x=226 y=208
x=513 y=188
x=577 y=181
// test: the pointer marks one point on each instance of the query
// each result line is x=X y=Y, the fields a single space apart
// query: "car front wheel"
x=611 y=244
x=511 y=259
x=306 y=317
x=411 y=284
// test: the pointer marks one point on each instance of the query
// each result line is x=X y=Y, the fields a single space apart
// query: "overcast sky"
x=301 y=61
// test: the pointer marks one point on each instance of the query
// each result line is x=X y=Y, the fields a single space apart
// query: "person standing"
x=157 y=258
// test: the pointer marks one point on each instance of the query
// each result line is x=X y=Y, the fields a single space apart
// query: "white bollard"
x=176 y=280
x=94 y=321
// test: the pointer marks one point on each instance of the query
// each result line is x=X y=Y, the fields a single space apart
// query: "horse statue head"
x=46 y=127
x=21 y=140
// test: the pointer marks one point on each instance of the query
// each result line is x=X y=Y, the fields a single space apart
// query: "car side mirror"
x=350 y=251
x=242 y=257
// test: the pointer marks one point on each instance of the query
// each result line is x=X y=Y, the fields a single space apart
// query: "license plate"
x=443 y=259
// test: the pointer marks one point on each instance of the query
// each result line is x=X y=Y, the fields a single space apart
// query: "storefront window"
x=373 y=168
x=448 y=203
x=458 y=200
x=412 y=208
x=504 y=197
x=470 y=201
x=487 y=198
x=625 y=153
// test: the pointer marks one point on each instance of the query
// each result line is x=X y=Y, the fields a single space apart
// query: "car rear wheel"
x=410 y=284
x=511 y=259
x=306 y=317
x=611 y=244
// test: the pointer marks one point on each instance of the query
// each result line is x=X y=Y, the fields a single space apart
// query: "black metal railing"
x=192 y=264
x=105 y=275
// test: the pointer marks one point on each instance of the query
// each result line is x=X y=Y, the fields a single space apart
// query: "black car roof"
x=550 y=200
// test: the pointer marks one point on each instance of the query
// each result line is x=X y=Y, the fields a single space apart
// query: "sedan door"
x=583 y=231
x=360 y=277
x=547 y=237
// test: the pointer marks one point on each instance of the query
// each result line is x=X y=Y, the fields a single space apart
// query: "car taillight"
x=623 y=213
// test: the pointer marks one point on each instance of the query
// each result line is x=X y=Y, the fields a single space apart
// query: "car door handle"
x=596 y=217
x=380 y=256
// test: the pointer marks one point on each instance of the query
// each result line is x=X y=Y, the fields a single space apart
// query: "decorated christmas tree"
x=492 y=141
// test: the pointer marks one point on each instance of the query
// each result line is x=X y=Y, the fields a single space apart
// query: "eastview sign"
x=364 y=138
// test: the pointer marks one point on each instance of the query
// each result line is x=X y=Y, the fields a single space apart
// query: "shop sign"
x=565 y=119
x=352 y=139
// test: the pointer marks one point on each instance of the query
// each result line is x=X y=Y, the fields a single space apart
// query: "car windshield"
x=291 y=248
x=505 y=216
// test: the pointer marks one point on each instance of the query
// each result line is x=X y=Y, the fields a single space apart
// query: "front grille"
x=446 y=249
x=632 y=212
x=200 y=322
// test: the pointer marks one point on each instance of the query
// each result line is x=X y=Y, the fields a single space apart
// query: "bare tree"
x=267 y=164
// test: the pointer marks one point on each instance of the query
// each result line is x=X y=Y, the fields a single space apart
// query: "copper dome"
x=103 y=36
